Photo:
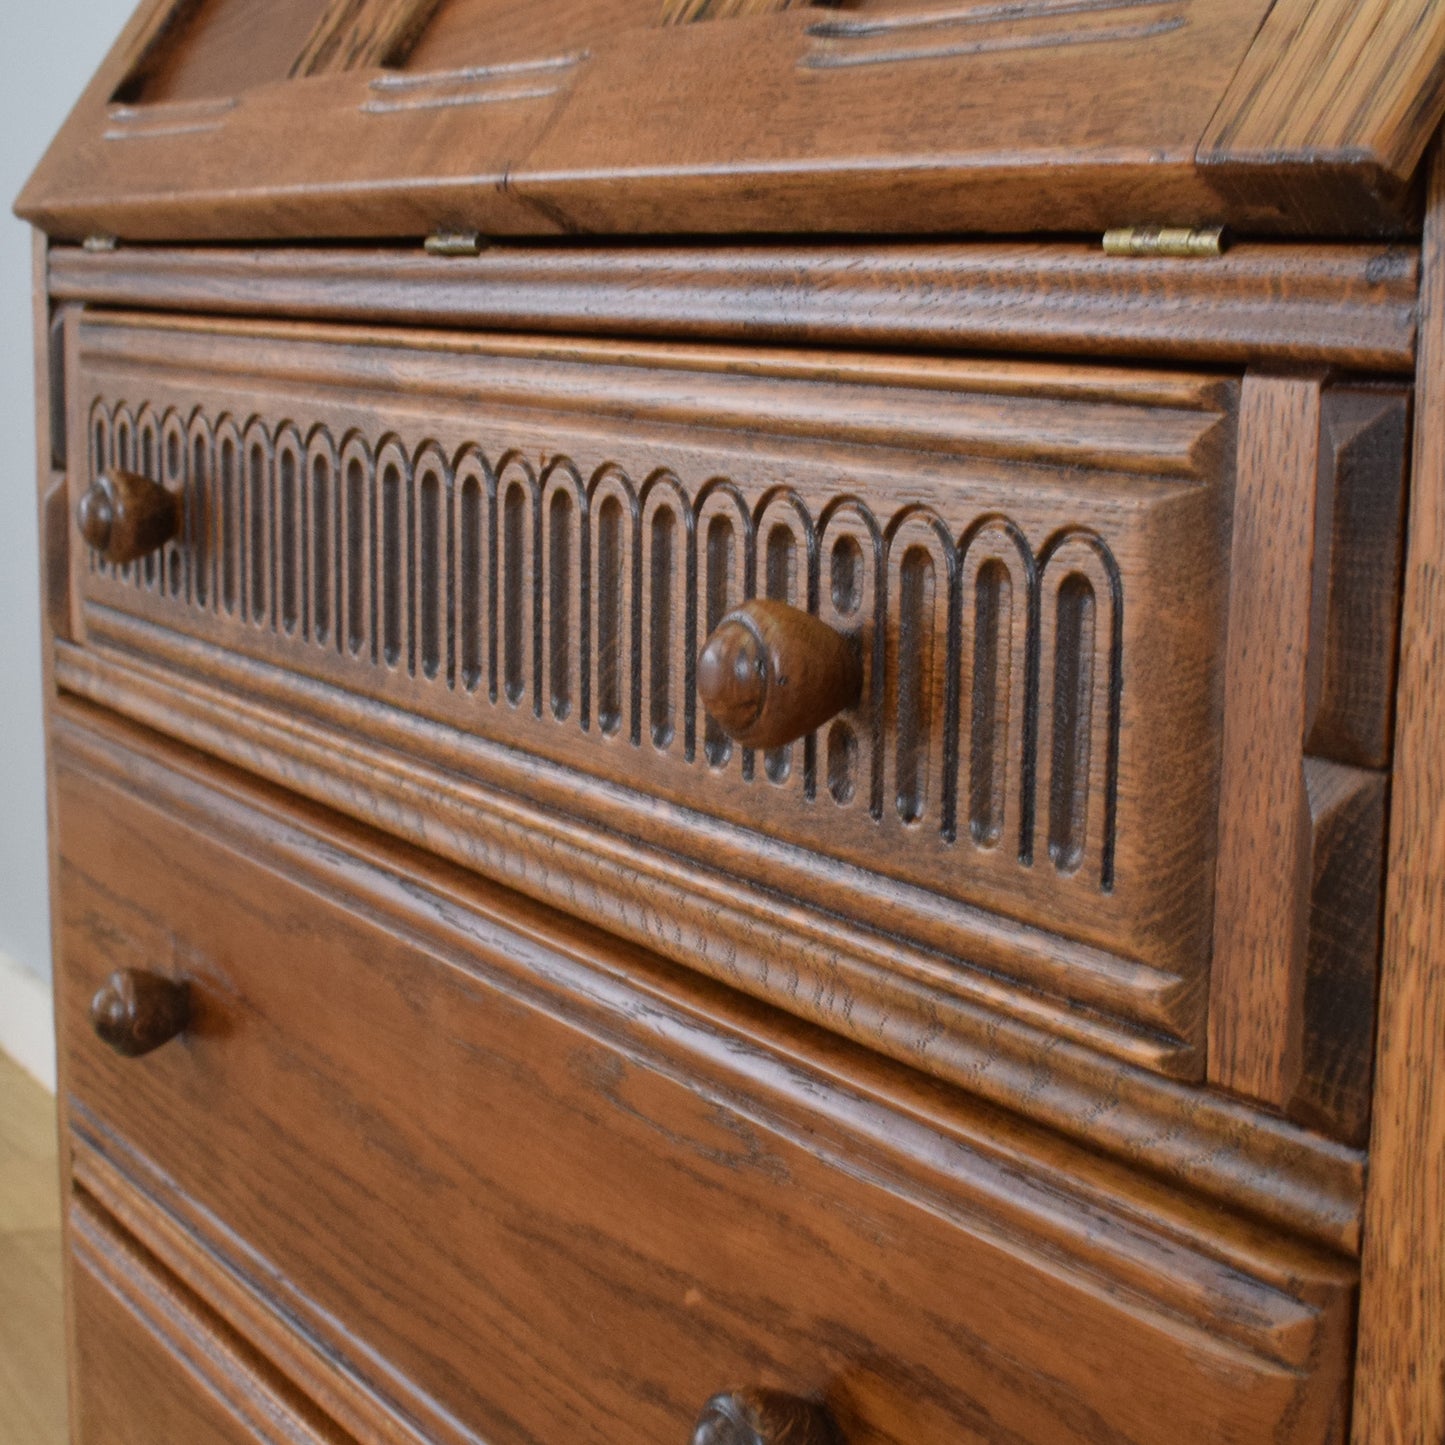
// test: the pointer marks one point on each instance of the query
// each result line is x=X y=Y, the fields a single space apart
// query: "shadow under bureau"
x=742 y=839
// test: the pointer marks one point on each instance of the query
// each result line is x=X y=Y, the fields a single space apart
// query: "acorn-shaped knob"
x=771 y=674
x=136 y=1012
x=125 y=516
x=764 y=1417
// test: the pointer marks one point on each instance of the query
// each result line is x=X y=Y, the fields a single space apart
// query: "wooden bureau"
x=763 y=795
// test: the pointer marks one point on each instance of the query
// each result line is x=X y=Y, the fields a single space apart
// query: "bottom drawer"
x=521 y=1185
x=153 y=1367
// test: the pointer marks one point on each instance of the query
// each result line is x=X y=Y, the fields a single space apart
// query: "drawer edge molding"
x=1261 y=1165
x=1123 y=1007
x=193 y=1342
x=1341 y=305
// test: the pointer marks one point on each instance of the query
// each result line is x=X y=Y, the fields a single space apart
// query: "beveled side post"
x=1400 y=1377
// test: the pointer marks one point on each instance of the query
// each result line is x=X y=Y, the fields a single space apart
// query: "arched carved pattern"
x=289 y=520
x=519 y=583
x=321 y=546
x=920 y=667
x=992 y=672
x=669 y=642
x=1080 y=683
x=258 y=556
x=391 y=560
x=851 y=595
x=786 y=563
x=564 y=598
x=431 y=529
x=998 y=645
x=473 y=571
x=725 y=573
x=613 y=503
x=147 y=463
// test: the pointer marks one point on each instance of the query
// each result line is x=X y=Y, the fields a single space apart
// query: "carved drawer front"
x=529 y=544
x=467 y=1172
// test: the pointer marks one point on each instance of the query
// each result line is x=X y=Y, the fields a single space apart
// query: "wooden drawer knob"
x=137 y=1012
x=764 y=1417
x=126 y=517
x=771 y=674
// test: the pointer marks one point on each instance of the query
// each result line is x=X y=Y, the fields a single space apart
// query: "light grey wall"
x=51 y=49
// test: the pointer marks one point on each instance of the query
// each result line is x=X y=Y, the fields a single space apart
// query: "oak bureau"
x=745 y=727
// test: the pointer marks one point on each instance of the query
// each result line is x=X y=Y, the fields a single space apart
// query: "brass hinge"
x=1188 y=241
x=454 y=243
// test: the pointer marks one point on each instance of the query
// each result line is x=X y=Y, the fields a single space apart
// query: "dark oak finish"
x=771 y=673
x=688 y=817
x=125 y=517
x=525 y=542
x=136 y=1011
x=764 y=1417
x=1347 y=306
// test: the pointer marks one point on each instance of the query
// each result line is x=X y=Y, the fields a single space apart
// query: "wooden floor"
x=32 y=1345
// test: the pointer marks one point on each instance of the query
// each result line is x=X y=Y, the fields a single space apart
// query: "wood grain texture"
x=1336 y=1018
x=1260 y=931
x=1334 y=80
x=567 y=1080
x=1072 y=120
x=1348 y=306
x=199 y=50
x=685 y=12
x=993 y=1047
x=153 y=1365
x=1310 y=668
x=1400 y=1382
x=363 y=35
x=934 y=510
x=1355 y=631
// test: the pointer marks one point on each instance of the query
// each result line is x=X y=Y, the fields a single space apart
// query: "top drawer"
x=529 y=542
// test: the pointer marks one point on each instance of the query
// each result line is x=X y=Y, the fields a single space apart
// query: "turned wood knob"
x=764 y=1417
x=125 y=516
x=770 y=674
x=136 y=1012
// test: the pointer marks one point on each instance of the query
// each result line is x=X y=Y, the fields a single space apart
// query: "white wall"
x=51 y=49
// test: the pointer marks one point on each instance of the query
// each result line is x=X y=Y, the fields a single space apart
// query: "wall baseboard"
x=27 y=1021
